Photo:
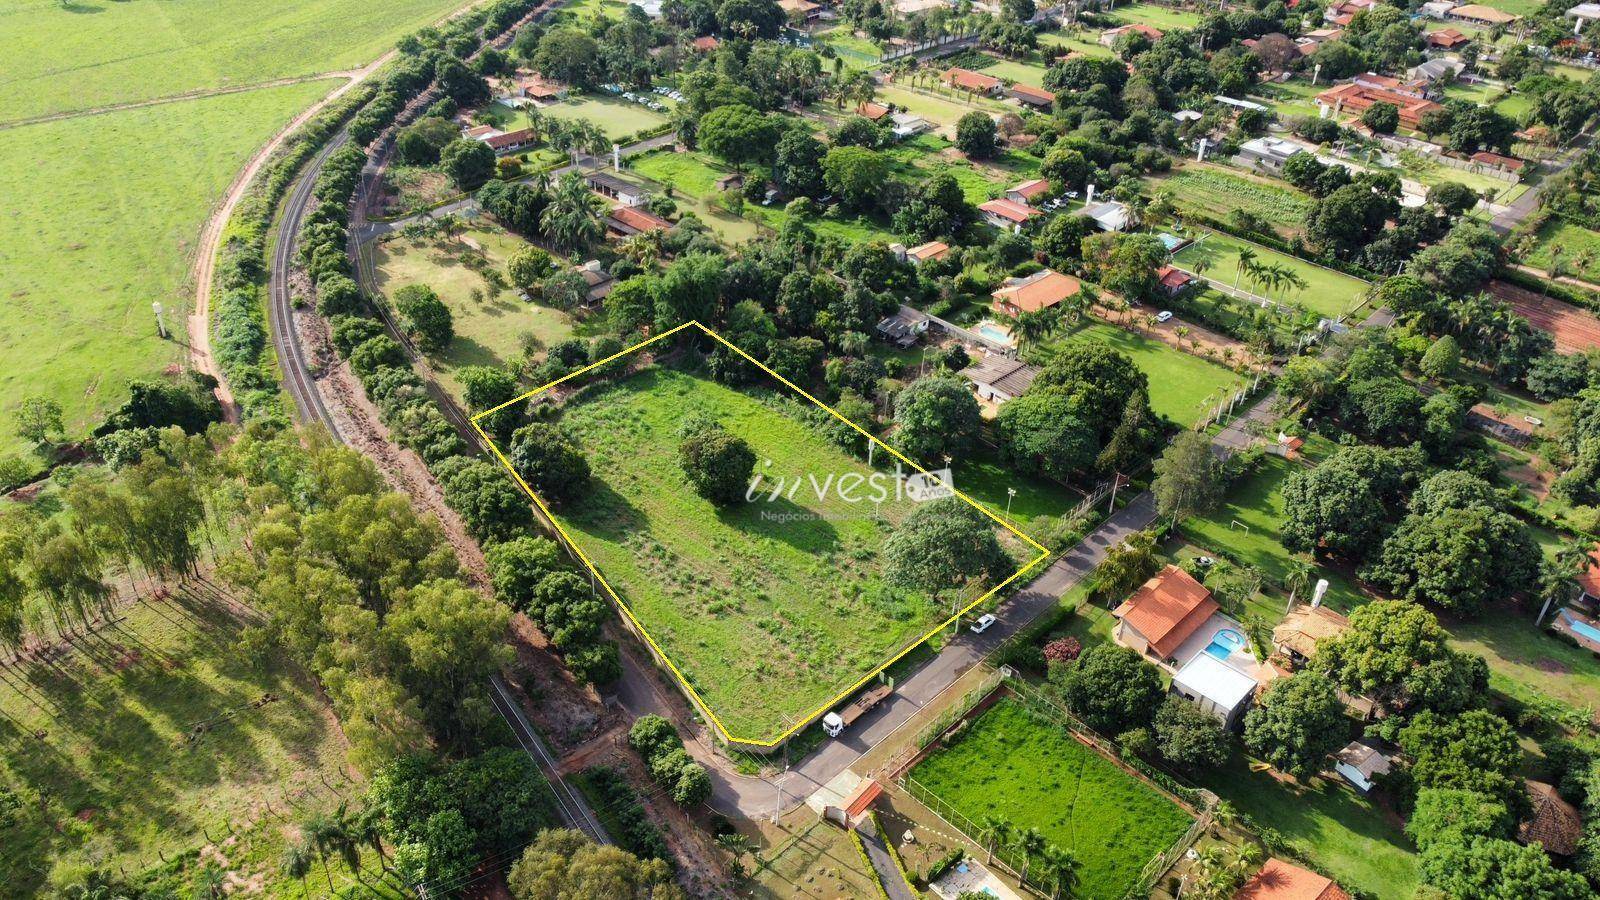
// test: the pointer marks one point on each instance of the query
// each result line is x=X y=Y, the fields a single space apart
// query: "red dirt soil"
x=1574 y=330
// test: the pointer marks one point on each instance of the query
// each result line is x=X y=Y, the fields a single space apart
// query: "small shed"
x=1555 y=824
x=1361 y=763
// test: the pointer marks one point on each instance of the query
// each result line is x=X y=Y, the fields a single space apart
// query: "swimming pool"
x=1581 y=627
x=994 y=333
x=1223 y=643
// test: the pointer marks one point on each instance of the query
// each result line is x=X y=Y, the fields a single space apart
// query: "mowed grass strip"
x=1327 y=293
x=56 y=56
x=101 y=216
x=1181 y=384
x=1035 y=774
x=116 y=776
x=769 y=609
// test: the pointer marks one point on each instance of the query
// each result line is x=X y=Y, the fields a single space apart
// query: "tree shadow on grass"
x=782 y=520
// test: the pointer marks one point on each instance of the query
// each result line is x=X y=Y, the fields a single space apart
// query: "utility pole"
x=161 y=324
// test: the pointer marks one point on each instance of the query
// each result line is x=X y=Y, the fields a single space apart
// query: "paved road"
x=1522 y=207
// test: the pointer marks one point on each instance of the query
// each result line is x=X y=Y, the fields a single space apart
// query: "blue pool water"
x=994 y=333
x=1585 y=629
x=1223 y=643
x=1170 y=241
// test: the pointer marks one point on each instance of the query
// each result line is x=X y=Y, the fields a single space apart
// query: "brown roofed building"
x=1162 y=613
x=1445 y=39
x=1555 y=824
x=1498 y=161
x=930 y=251
x=1589 y=579
x=1110 y=35
x=1004 y=213
x=1279 y=880
x=510 y=140
x=872 y=111
x=628 y=220
x=704 y=44
x=1028 y=191
x=1297 y=636
x=999 y=380
x=1032 y=96
x=968 y=80
x=1354 y=98
x=1481 y=15
x=1041 y=290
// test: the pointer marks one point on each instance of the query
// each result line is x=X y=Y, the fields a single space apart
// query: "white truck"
x=834 y=723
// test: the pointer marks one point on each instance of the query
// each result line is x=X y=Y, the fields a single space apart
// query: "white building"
x=1109 y=215
x=1269 y=153
x=1361 y=763
x=1215 y=687
x=905 y=125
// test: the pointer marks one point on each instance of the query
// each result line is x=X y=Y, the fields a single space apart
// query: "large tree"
x=1189 y=737
x=1299 y=722
x=716 y=462
x=1459 y=559
x=426 y=318
x=568 y=55
x=943 y=544
x=797 y=168
x=572 y=219
x=936 y=415
x=1189 y=476
x=1111 y=688
x=1042 y=432
x=739 y=134
x=1474 y=750
x=1491 y=869
x=1344 y=506
x=1397 y=653
x=975 y=135
x=856 y=175
x=549 y=461
x=561 y=864
x=470 y=164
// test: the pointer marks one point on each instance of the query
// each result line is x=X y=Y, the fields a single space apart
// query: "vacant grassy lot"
x=1034 y=774
x=1157 y=16
x=1328 y=293
x=1180 y=383
x=769 y=609
x=944 y=108
x=1082 y=42
x=101 y=217
x=491 y=326
x=1019 y=71
x=1358 y=843
x=1205 y=190
x=693 y=180
x=88 y=53
x=814 y=860
x=101 y=753
x=616 y=117
x=1576 y=248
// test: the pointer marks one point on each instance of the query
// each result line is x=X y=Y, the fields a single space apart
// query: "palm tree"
x=1030 y=842
x=297 y=862
x=319 y=835
x=992 y=831
x=1033 y=327
x=1296 y=579
x=1246 y=261
x=1063 y=868
x=572 y=220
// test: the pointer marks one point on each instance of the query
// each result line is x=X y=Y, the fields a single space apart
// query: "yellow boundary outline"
x=617 y=599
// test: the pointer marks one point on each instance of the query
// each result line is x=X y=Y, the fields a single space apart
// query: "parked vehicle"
x=834 y=723
x=1164 y=316
x=983 y=623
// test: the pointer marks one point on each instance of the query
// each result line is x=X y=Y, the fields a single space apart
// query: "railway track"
x=302 y=385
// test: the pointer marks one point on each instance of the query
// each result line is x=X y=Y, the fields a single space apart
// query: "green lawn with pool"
x=617 y=117
x=1181 y=384
x=1015 y=765
x=1327 y=293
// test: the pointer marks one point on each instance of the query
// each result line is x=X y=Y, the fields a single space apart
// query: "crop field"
x=101 y=217
x=59 y=56
x=490 y=325
x=617 y=118
x=1208 y=191
x=1328 y=293
x=1573 y=330
x=1181 y=384
x=769 y=609
x=1034 y=774
x=114 y=772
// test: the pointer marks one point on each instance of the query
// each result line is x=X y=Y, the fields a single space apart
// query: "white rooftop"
x=1585 y=11
x=1241 y=104
x=1187 y=115
x=1211 y=678
x=1272 y=146
x=1110 y=215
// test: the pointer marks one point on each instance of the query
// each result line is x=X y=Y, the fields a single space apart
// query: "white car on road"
x=983 y=623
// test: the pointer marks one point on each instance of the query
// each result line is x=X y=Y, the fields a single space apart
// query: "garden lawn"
x=693 y=180
x=769 y=609
x=1328 y=293
x=857 y=52
x=1358 y=843
x=618 y=118
x=1157 y=16
x=1527 y=662
x=115 y=776
x=1180 y=383
x=1205 y=190
x=1575 y=247
x=59 y=56
x=982 y=477
x=1077 y=43
x=101 y=218
x=1029 y=73
x=1035 y=774
x=490 y=325
x=943 y=109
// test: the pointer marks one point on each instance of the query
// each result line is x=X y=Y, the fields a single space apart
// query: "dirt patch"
x=568 y=714
x=1552 y=667
x=127 y=660
x=1572 y=329
x=1531 y=477
x=702 y=869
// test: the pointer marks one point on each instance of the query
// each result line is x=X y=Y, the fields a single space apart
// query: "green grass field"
x=1080 y=43
x=1575 y=247
x=489 y=325
x=1328 y=293
x=694 y=183
x=769 y=609
x=115 y=775
x=1205 y=190
x=1180 y=383
x=1356 y=842
x=616 y=117
x=1030 y=73
x=944 y=108
x=1157 y=16
x=1034 y=774
x=102 y=215
x=89 y=53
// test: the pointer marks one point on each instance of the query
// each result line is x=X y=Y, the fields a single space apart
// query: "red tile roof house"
x=509 y=141
x=1041 y=290
x=1445 y=39
x=1007 y=214
x=1029 y=95
x=968 y=80
x=1353 y=98
x=930 y=251
x=1589 y=579
x=1028 y=191
x=704 y=44
x=1173 y=280
x=872 y=111
x=1279 y=880
x=1163 y=613
x=628 y=220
